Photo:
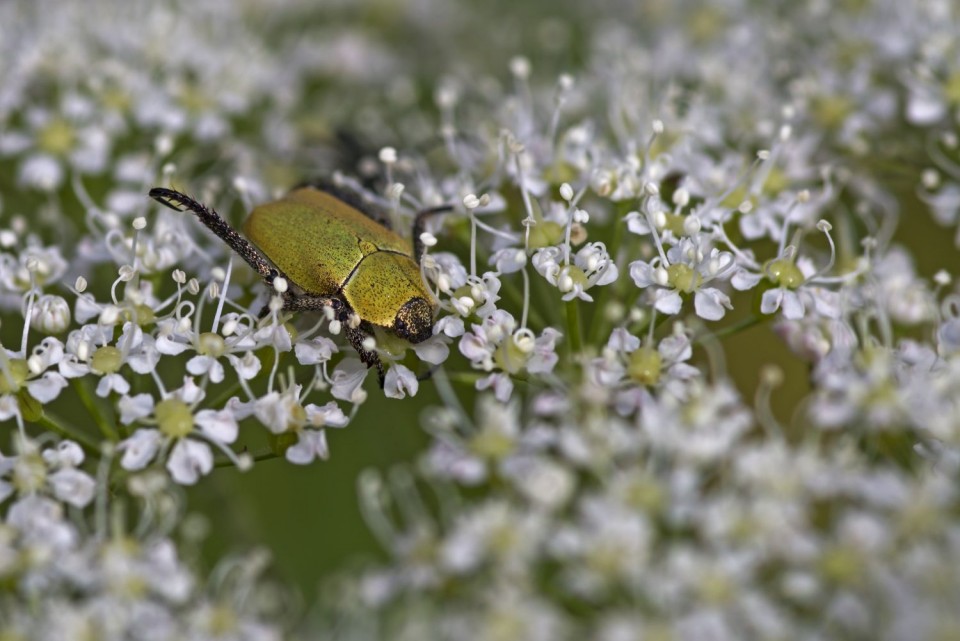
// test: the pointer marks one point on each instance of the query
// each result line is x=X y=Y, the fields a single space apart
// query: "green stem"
x=257 y=458
x=468 y=378
x=81 y=386
x=224 y=396
x=574 y=331
x=599 y=322
x=546 y=301
x=742 y=324
x=90 y=447
x=533 y=315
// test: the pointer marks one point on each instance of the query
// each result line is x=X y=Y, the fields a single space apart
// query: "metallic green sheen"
x=382 y=284
x=327 y=247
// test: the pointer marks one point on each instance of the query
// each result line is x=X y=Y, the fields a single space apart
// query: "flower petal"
x=399 y=382
x=189 y=460
x=140 y=448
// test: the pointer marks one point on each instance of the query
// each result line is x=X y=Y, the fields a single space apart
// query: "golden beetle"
x=325 y=242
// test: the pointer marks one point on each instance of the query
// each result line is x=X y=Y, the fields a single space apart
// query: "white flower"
x=189 y=460
x=315 y=351
x=509 y=260
x=688 y=271
x=399 y=382
x=140 y=448
x=348 y=376
x=280 y=411
x=66 y=454
x=72 y=486
x=496 y=343
x=34 y=266
x=591 y=266
x=182 y=431
x=311 y=444
x=31 y=374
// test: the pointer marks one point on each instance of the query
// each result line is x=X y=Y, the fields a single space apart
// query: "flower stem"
x=467 y=378
x=739 y=326
x=599 y=326
x=256 y=458
x=81 y=386
x=574 y=331
x=90 y=447
x=225 y=395
x=533 y=315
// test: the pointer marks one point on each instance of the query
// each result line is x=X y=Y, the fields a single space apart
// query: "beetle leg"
x=420 y=223
x=342 y=312
x=356 y=336
x=312 y=303
x=181 y=202
x=303 y=303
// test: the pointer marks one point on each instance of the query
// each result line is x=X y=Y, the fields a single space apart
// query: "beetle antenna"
x=420 y=222
x=178 y=201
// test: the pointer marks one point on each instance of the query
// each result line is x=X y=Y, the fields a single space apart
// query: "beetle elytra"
x=332 y=254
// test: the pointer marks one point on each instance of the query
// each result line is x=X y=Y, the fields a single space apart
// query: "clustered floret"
x=597 y=467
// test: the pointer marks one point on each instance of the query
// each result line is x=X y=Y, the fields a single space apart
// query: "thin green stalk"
x=742 y=324
x=256 y=458
x=81 y=386
x=449 y=397
x=224 y=396
x=90 y=447
x=468 y=378
x=574 y=331
x=599 y=320
x=533 y=315
x=546 y=301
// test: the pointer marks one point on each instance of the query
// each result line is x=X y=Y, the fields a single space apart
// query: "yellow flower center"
x=174 y=417
x=57 y=137
x=511 y=357
x=546 y=233
x=492 y=444
x=211 y=344
x=683 y=277
x=140 y=314
x=644 y=366
x=106 y=360
x=785 y=273
x=13 y=376
x=832 y=111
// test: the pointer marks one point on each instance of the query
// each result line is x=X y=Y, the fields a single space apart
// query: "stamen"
x=471 y=202
x=28 y=312
x=943 y=162
x=825 y=227
x=654 y=232
x=223 y=295
x=771 y=377
x=373 y=507
x=564 y=84
x=516 y=149
x=103 y=490
x=526 y=297
x=571 y=208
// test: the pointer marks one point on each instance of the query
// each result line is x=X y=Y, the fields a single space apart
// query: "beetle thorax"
x=414 y=321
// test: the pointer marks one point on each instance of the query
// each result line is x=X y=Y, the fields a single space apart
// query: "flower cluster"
x=676 y=519
x=610 y=249
x=72 y=579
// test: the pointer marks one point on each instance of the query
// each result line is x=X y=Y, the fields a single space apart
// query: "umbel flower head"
x=694 y=362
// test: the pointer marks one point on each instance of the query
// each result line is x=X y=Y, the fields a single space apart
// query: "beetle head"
x=414 y=321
